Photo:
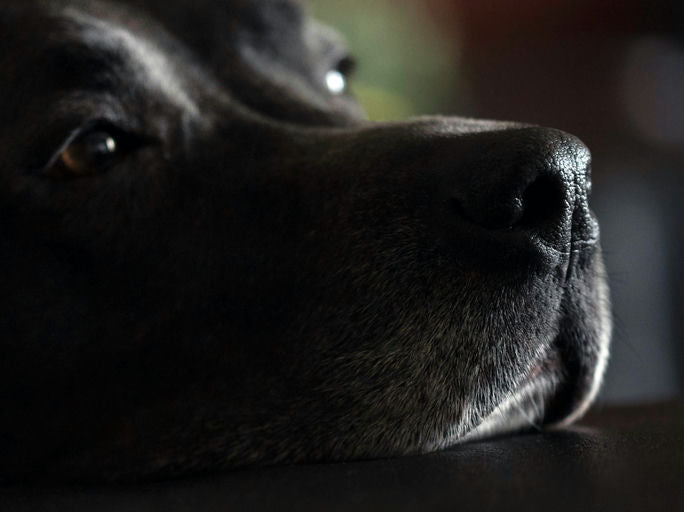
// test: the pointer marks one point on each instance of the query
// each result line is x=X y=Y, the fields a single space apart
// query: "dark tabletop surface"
x=617 y=458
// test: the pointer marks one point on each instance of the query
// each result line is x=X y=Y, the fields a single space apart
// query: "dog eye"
x=89 y=152
x=336 y=79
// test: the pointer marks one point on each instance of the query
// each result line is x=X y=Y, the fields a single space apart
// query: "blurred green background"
x=406 y=64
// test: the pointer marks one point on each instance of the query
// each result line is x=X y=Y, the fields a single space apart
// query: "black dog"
x=210 y=260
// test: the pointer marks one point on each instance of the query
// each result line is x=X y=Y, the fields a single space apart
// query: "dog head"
x=211 y=260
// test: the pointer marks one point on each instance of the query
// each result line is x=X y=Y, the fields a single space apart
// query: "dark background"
x=611 y=72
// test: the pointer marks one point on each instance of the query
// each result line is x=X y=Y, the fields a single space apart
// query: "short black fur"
x=264 y=276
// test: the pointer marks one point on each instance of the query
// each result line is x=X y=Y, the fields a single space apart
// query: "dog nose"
x=531 y=180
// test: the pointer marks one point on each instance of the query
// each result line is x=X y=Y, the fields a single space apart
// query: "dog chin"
x=526 y=407
x=522 y=410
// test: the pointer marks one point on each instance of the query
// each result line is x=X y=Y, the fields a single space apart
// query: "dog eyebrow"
x=113 y=45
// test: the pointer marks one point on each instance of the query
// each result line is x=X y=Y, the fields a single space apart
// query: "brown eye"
x=87 y=154
x=93 y=149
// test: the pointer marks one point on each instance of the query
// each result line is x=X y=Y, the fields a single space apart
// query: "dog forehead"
x=214 y=21
x=150 y=65
x=267 y=39
x=278 y=12
x=266 y=55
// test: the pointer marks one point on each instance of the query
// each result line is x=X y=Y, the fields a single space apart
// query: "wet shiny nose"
x=529 y=180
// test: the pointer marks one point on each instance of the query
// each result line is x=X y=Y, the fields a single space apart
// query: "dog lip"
x=577 y=383
x=545 y=397
x=522 y=409
x=549 y=363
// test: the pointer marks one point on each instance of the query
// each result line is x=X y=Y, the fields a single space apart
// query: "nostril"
x=543 y=200
x=531 y=180
x=497 y=215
